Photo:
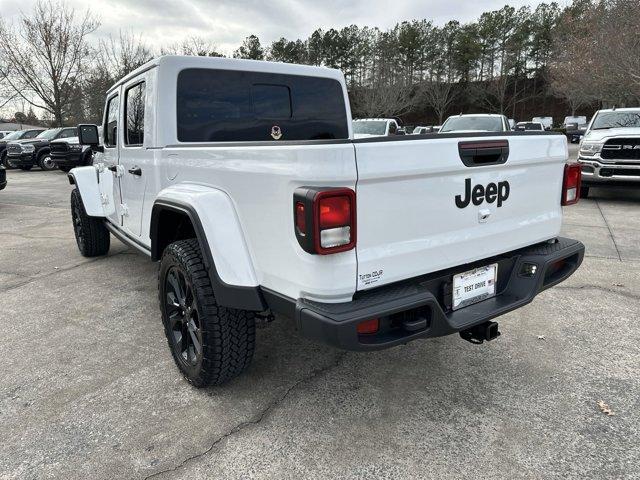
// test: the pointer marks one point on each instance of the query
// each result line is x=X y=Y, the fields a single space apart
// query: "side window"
x=111 y=122
x=67 y=133
x=32 y=134
x=134 y=115
x=393 y=128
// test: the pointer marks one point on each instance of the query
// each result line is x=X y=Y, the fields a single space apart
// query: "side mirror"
x=88 y=135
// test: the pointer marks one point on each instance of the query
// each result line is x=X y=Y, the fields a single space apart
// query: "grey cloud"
x=228 y=22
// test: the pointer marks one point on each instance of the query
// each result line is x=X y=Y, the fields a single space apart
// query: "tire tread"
x=228 y=334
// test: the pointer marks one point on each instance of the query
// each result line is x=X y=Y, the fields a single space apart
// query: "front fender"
x=86 y=181
x=217 y=226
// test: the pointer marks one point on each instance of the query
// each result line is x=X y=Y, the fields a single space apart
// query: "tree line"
x=507 y=61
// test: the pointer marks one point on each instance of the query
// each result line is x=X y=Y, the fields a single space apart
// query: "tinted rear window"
x=232 y=106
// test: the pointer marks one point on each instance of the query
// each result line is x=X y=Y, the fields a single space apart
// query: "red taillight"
x=368 y=326
x=325 y=219
x=571 y=184
x=301 y=221
x=334 y=211
x=334 y=220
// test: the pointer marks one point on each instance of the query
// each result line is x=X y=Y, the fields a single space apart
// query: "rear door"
x=108 y=171
x=424 y=205
x=135 y=159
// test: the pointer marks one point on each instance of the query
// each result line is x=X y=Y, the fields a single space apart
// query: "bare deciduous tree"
x=200 y=47
x=122 y=55
x=383 y=100
x=45 y=55
x=596 y=53
x=438 y=95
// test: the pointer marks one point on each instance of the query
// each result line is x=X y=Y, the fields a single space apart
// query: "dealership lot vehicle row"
x=81 y=395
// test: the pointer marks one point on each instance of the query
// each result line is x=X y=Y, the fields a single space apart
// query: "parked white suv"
x=477 y=122
x=546 y=121
x=242 y=178
x=610 y=149
x=375 y=127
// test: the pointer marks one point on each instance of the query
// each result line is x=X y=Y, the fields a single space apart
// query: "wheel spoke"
x=194 y=337
x=188 y=296
x=184 y=346
x=174 y=318
x=177 y=340
x=175 y=285
x=172 y=301
x=184 y=288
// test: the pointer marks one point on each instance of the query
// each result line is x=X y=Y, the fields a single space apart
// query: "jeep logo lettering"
x=479 y=193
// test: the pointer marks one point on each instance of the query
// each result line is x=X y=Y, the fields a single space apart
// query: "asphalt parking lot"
x=88 y=388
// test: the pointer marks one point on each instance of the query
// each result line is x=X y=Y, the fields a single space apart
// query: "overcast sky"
x=228 y=22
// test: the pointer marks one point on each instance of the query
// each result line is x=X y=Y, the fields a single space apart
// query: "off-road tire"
x=45 y=162
x=92 y=236
x=227 y=335
x=26 y=168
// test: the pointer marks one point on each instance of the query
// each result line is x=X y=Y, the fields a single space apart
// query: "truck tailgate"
x=410 y=223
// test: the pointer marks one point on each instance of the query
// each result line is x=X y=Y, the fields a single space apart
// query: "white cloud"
x=228 y=22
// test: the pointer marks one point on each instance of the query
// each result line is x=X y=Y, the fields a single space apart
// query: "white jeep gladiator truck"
x=243 y=179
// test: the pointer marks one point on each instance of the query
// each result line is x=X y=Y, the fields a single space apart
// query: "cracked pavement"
x=88 y=388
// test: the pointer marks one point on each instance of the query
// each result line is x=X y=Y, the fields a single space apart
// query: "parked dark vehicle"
x=575 y=131
x=3 y=178
x=528 y=127
x=17 y=135
x=25 y=154
x=68 y=153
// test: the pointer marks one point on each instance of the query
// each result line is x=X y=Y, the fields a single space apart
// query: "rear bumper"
x=428 y=297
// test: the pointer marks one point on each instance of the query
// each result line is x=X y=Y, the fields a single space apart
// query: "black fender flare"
x=42 y=152
x=231 y=296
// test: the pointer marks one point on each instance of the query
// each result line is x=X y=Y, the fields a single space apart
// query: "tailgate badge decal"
x=479 y=193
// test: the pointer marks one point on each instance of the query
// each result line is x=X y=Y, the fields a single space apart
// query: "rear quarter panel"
x=260 y=181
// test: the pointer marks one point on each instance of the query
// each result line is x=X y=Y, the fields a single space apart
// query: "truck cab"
x=546 y=121
x=246 y=182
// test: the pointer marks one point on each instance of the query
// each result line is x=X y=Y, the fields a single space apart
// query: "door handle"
x=135 y=171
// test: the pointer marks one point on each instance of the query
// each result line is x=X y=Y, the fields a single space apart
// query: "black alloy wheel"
x=181 y=310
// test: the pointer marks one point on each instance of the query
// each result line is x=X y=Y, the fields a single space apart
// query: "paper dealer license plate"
x=474 y=286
